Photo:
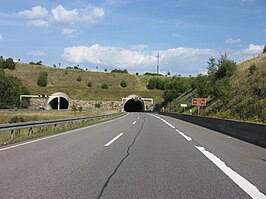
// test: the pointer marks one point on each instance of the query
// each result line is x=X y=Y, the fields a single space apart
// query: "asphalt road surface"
x=140 y=155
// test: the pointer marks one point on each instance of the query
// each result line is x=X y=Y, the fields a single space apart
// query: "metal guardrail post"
x=12 y=135
x=30 y=131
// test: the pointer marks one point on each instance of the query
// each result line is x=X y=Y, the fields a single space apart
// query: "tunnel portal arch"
x=58 y=101
x=133 y=103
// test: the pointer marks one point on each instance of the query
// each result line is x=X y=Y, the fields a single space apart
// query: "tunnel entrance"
x=134 y=105
x=63 y=103
x=58 y=101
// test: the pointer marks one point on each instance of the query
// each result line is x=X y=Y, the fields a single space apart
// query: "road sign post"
x=199 y=102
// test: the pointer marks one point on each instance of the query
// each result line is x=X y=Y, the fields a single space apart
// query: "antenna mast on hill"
x=158 y=61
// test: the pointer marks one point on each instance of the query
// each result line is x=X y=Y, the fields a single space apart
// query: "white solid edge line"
x=60 y=134
x=134 y=122
x=110 y=142
x=185 y=136
x=168 y=123
x=244 y=184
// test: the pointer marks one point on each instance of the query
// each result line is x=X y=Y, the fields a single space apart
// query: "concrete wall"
x=250 y=132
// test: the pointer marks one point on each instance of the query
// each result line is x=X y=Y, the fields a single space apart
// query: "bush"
x=252 y=69
x=152 y=83
x=9 y=63
x=123 y=83
x=104 y=86
x=98 y=105
x=89 y=84
x=79 y=79
x=42 y=79
x=80 y=109
x=17 y=119
x=119 y=71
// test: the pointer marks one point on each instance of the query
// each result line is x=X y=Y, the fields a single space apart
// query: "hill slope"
x=65 y=80
x=248 y=101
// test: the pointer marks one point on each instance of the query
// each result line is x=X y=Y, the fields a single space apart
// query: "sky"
x=128 y=34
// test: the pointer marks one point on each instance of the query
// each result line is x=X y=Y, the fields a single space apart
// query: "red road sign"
x=195 y=101
x=199 y=101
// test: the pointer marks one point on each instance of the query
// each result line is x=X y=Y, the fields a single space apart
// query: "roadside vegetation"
x=23 y=134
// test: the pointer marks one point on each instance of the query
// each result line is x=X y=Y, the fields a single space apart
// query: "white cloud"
x=89 y=15
x=264 y=30
x=38 y=23
x=254 y=49
x=37 y=53
x=34 y=13
x=68 y=32
x=1 y=37
x=59 y=15
x=62 y=15
x=251 y=50
x=232 y=41
x=179 y=60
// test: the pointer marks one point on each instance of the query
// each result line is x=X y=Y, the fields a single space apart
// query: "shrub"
x=79 y=79
x=252 y=69
x=123 y=83
x=104 y=86
x=152 y=83
x=119 y=71
x=42 y=79
x=98 y=105
x=80 y=109
x=17 y=119
x=9 y=63
x=89 y=84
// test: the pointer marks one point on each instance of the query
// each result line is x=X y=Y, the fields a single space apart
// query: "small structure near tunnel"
x=58 y=101
x=134 y=103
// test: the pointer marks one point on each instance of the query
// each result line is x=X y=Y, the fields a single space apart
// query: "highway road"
x=140 y=155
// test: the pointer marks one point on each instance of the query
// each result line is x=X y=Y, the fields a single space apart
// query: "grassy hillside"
x=65 y=80
x=248 y=101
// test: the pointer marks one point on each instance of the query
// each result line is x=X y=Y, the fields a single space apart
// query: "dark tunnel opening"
x=63 y=103
x=134 y=106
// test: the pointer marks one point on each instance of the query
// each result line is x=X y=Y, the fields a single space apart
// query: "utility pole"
x=158 y=61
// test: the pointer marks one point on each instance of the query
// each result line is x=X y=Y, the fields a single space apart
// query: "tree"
x=2 y=62
x=168 y=73
x=203 y=85
x=222 y=90
x=42 y=79
x=10 y=90
x=105 y=70
x=9 y=63
x=264 y=50
x=226 y=67
x=212 y=66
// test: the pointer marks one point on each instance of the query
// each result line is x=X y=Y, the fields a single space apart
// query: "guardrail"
x=24 y=125
x=247 y=131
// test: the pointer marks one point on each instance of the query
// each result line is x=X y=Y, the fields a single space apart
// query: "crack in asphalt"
x=120 y=163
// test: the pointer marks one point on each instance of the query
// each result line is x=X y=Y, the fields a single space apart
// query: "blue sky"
x=127 y=34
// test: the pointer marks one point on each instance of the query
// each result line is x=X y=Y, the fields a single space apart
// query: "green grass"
x=64 y=80
x=31 y=115
x=21 y=135
x=248 y=102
